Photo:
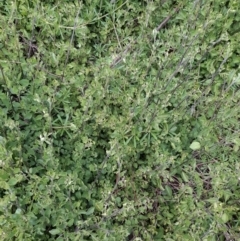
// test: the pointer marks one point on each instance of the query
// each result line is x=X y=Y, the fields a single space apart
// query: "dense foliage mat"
x=119 y=120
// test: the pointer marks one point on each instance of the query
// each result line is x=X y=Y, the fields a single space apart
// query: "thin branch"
x=165 y=21
x=5 y=82
x=117 y=181
x=121 y=56
x=71 y=41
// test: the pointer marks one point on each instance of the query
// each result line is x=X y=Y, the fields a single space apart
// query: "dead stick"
x=120 y=57
x=164 y=22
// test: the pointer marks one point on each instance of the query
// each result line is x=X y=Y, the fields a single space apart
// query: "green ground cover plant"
x=119 y=120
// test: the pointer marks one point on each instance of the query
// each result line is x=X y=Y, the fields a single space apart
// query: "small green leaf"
x=89 y=211
x=13 y=181
x=54 y=231
x=18 y=211
x=225 y=218
x=24 y=82
x=99 y=206
x=195 y=146
x=4 y=175
x=184 y=177
x=169 y=191
x=2 y=140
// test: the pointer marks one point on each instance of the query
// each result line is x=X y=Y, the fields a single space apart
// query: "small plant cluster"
x=119 y=120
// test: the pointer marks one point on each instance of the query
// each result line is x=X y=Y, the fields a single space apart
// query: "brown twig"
x=121 y=56
x=165 y=21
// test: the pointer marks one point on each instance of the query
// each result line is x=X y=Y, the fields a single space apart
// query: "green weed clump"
x=119 y=120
